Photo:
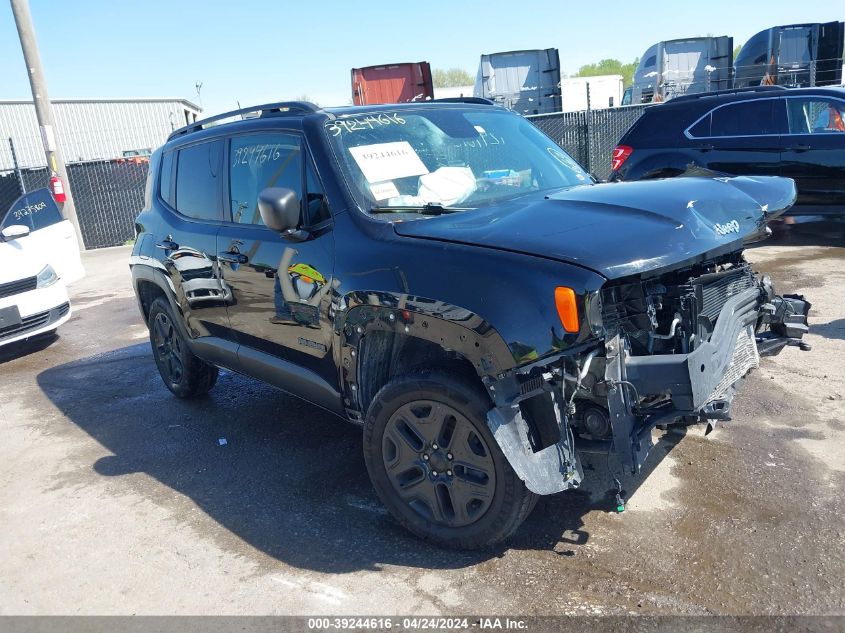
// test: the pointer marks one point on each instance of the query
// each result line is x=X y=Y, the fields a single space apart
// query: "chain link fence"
x=589 y=136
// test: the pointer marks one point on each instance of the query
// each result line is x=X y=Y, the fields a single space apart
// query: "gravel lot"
x=116 y=498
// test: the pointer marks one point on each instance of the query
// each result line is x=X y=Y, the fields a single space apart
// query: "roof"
x=299 y=109
x=744 y=94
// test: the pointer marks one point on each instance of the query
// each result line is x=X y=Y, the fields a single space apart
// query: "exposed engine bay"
x=668 y=349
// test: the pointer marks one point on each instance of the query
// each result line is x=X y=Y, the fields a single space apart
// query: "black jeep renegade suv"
x=444 y=275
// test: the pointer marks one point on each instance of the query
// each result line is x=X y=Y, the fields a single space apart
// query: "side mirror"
x=14 y=232
x=280 y=209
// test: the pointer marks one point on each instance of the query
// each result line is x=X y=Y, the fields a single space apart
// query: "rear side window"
x=198 y=181
x=748 y=118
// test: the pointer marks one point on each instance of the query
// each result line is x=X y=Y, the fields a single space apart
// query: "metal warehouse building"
x=91 y=129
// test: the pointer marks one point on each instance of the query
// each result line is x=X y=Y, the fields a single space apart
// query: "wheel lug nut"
x=449 y=472
x=434 y=447
x=425 y=457
x=434 y=473
x=449 y=456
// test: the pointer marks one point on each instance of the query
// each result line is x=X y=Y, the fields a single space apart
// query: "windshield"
x=450 y=157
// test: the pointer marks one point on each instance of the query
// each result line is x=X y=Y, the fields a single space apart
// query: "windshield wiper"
x=430 y=208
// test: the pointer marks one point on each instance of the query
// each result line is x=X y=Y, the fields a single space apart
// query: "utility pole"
x=44 y=109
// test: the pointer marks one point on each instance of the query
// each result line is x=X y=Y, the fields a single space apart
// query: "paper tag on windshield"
x=384 y=190
x=387 y=161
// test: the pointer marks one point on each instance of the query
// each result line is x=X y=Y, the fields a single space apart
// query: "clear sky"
x=255 y=51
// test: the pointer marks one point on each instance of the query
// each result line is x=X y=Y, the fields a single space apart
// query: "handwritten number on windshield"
x=370 y=122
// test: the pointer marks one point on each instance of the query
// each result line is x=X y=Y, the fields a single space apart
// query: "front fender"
x=448 y=326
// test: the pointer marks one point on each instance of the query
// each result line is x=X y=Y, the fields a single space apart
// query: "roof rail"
x=268 y=109
x=731 y=91
x=478 y=100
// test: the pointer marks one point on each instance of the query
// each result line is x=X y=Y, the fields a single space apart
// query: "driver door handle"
x=232 y=258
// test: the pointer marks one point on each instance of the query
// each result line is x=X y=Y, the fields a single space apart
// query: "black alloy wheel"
x=168 y=348
x=184 y=374
x=435 y=464
x=438 y=464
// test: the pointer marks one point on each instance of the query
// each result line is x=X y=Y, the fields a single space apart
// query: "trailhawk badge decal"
x=727 y=227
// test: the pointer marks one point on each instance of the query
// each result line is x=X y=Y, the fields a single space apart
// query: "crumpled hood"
x=17 y=262
x=625 y=228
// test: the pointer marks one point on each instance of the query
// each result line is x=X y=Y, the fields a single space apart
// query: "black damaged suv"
x=442 y=274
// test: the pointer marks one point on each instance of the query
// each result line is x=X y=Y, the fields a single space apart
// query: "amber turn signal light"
x=567 y=308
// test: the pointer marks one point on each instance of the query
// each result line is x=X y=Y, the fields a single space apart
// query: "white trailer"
x=594 y=93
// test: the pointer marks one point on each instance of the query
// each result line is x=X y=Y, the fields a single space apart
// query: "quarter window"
x=815 y=116
x=198 y=181
x=166 y=178
x=258 y=161
x=318 y=207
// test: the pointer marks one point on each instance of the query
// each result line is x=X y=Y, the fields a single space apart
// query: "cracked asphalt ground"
x=117 y=498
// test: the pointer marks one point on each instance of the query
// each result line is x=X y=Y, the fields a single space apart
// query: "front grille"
x=17 y=287
x=35 y=321
x=714 y=290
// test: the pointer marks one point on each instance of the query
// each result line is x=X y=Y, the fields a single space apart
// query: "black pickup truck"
x=443 y=275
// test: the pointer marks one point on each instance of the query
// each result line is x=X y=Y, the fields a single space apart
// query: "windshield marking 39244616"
x=452 y=159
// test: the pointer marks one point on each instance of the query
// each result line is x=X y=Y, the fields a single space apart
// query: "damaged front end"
x=666 y=349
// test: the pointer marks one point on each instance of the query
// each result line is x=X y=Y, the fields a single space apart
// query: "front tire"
x=183 y=373
x=436 y=466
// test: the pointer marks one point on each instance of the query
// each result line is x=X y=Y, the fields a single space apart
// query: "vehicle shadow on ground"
x=833 y=329
x=290 y=478
x=19 y=349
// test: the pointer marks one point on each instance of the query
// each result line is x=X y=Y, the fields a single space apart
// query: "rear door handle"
x=168 y=245
x=706 y=147
x=801 y=147
x=232 y=258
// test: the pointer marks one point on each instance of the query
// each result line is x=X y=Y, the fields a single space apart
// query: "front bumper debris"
x=699 y=386
x=547 y=471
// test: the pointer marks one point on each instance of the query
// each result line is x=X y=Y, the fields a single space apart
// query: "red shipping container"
x=393 y=83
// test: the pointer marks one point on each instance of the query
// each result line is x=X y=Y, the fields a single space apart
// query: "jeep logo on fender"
x=728 y=227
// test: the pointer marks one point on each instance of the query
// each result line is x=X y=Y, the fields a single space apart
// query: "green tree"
x=450 y=78
x=610 y=67
x=737 y=48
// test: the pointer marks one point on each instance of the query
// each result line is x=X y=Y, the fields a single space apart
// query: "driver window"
x=816 y=116
x=258 y=161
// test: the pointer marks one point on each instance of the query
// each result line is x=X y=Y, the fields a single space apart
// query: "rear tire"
x=435 y=464
x=183 y=373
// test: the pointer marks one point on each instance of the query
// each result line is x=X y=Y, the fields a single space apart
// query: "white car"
x=38 y=257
